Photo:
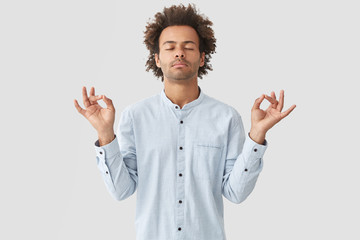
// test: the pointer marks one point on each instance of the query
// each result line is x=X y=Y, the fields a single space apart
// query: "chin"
x=178 y=79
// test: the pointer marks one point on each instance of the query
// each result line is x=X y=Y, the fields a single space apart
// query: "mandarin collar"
x=186 y=106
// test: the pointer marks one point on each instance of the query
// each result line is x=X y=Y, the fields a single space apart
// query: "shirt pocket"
x=207 y=158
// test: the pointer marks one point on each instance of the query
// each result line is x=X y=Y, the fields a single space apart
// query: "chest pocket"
x=207 y=159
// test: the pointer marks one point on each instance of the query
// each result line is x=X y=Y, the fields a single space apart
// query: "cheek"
x=164 y=60
x=159 y=60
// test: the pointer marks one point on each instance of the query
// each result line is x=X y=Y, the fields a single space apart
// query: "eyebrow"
x=182 y=42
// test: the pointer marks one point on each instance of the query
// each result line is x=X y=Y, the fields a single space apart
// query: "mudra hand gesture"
x=263 y=120
x=102 y=119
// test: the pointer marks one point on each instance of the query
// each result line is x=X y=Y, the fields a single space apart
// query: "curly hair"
x=177 y=16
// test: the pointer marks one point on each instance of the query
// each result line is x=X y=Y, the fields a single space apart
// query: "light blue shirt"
x=181 y=162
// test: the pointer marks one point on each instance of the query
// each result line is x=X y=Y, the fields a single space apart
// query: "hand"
x=102 y=119
x=262 y=121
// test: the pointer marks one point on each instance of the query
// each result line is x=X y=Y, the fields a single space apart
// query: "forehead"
x=179 y=34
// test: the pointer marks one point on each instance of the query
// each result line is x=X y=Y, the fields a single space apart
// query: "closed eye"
x=173 y=48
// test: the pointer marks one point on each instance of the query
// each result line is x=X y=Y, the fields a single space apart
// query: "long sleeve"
x=243 y=164
x=117 y=160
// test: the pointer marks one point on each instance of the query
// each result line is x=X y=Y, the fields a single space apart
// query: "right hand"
x=102 y=119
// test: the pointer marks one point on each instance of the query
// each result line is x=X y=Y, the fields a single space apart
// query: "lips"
x=179 y=64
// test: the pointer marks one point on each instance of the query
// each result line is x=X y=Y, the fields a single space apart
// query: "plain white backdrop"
x=50 y=185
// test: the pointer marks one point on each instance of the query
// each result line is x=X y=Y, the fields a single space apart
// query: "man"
x=180 y=149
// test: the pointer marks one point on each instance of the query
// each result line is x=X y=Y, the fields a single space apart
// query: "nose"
x=179 y=54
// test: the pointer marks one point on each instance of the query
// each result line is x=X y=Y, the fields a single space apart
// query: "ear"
x=202 y=59
x=157 y=60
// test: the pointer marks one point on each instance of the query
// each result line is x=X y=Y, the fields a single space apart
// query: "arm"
x=117 y=160
x=243 y=164
x=118 y=167
x=241 y=171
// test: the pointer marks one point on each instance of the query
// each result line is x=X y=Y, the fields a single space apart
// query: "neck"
x=181 y=92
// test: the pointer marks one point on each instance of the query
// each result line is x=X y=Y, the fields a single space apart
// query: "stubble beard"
x=181 y=75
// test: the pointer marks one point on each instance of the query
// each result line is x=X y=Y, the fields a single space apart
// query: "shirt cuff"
x=108 y=150
x=255 y=150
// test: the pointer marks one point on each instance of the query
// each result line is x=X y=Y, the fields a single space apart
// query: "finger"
x=281 y=101
x=94 y=99
x=273 y=95
x=270 y=99
x=85 y=97
x=108 y=102
x=273 y=102
x=258 y=102
x=77 y=106
x=92 y=91
x=287 y=112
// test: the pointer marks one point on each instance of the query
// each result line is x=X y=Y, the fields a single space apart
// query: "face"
x=179 y=56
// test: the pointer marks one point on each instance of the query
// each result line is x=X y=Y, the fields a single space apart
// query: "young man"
x=180 y=149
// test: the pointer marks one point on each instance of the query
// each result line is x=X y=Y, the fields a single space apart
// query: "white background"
x=50 y=185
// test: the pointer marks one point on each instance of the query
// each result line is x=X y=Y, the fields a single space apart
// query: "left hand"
x=262 y=121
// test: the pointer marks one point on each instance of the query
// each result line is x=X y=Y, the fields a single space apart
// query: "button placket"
x=101 y=154
x=102 y=157
x=105 y=170
x=180 y=183
x=255 y=154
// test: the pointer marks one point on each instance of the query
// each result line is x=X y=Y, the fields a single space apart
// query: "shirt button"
x=181 y=148
x=176 y=107
x=107 y=172
x=181 y=121
x=180 y=201
x=180 y=174
x=245 y=169
x=100 y=152
x=179 y=228
x=255 y=149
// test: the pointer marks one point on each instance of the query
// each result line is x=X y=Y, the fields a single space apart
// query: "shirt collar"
x=186 y=106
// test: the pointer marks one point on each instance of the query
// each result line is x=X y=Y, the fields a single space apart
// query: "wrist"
x=106 y=138
x=257 y=136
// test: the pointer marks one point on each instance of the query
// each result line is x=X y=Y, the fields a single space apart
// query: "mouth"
x=179 y=65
